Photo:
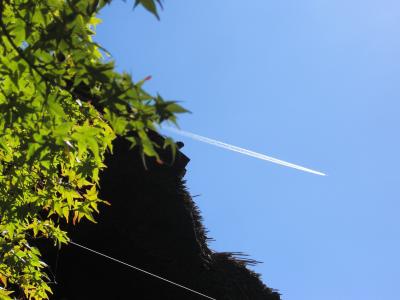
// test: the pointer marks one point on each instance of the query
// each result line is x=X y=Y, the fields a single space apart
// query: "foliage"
x=62 y=104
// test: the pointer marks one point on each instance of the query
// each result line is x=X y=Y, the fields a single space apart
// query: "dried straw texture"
x=153 y=224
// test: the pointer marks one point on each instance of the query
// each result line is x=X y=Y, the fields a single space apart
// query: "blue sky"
x=313 y=82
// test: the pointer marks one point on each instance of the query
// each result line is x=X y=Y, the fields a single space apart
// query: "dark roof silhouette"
x=153 y=224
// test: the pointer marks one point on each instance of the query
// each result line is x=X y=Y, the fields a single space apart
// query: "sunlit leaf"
x=62 y=104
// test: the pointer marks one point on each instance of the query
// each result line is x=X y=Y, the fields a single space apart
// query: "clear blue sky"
x=314 y=82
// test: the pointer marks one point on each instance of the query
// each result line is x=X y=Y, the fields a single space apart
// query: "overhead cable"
x=140 y=270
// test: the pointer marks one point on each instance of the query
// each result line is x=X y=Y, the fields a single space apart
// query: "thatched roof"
x=153 y=224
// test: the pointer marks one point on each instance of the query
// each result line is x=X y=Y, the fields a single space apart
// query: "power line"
x=141 y=270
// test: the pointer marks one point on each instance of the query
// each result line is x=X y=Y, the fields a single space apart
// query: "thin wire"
x=56 y=266
x=141 y=270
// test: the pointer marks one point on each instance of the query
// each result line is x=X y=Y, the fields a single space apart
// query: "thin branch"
x=16 y=48
x=23 y=56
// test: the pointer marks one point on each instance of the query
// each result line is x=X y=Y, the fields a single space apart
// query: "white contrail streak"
x=241 y=150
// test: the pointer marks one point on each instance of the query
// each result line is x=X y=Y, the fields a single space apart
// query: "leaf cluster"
x=62 y=104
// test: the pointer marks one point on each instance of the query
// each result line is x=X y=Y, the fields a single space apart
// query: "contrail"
x=241 y=150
